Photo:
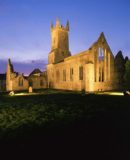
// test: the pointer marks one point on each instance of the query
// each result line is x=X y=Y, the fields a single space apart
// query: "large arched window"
x=101 y=64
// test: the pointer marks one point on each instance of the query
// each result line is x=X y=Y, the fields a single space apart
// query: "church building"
x=89 y=71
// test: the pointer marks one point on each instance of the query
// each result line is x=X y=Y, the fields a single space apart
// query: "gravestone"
x=30 y=90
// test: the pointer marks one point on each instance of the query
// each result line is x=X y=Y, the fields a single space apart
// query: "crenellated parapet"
x=59 y=26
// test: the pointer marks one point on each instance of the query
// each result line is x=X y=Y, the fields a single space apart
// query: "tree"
x=127 y=74
x=120 y=67
x=126 y=59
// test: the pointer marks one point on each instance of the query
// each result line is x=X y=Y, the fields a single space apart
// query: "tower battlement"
x=59 y=26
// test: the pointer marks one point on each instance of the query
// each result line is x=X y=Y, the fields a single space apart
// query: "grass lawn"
x=65 y=124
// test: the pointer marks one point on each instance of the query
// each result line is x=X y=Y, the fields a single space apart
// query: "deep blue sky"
x=25 y=28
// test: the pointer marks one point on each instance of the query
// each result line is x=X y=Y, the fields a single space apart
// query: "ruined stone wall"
x=104 y=62
x=17 y=85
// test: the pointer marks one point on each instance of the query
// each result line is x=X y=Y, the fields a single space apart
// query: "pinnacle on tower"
x=67 y=25
x=52 y=25
x=57 y=22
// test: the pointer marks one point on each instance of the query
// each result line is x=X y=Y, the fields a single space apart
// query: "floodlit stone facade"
x=91 y=70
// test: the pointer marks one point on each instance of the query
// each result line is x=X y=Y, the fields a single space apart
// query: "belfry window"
x=100 y=53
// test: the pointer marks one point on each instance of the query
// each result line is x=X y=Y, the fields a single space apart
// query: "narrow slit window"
x=64 y=75
x=81 y=73
x=71 y=74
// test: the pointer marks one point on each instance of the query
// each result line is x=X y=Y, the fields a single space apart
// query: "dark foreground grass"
x=66 y=126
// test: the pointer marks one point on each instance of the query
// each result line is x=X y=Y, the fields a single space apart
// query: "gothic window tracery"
x=101 y=64
x=100 y=53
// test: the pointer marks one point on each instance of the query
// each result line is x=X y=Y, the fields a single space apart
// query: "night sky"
x=25 y=28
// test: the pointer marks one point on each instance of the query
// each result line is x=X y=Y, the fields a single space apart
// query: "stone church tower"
x=91 y=70
x=60 y=43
